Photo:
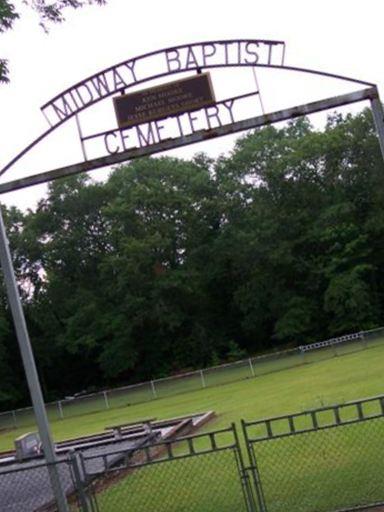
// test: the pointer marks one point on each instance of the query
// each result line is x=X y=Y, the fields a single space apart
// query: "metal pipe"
x=79 y=482
x=251 y=367
x=378 y=116
x=203 y=385
x=60 y=407
x=198 y=136
x=14 y=419
x=154 y=392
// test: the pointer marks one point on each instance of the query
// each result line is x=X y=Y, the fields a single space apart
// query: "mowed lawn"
x=336 y=380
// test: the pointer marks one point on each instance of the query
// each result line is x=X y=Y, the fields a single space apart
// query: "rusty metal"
x=99 y=86
x=378 y=116
x=242 y=61
x=73 y=101
x=70 y=103
x=253 y=122
x=218 y=103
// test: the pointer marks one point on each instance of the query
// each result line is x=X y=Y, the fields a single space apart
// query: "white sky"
x=339 y=36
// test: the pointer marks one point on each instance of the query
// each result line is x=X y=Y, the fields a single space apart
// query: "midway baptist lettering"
x=138 y=70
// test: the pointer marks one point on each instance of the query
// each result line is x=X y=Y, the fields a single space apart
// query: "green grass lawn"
x=312 y=472
x=170 y=386
x=317 y=471
x=324 y=470
x=353 y=375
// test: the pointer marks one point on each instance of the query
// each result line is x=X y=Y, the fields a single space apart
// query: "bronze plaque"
x=164 y=100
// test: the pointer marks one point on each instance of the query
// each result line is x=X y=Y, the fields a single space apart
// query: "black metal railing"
x=327 y=459
x=202 y=472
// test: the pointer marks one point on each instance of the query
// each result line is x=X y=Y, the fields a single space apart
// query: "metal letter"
x=170 y=59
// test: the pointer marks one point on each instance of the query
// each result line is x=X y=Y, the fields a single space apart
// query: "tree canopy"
x=175 y=264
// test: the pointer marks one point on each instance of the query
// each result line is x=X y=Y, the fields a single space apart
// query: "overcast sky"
x=344 y=37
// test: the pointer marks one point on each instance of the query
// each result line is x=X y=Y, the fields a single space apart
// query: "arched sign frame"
x=197 y=57
x=188 y=58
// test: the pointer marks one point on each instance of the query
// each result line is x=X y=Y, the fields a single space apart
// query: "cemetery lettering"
x=118 y=78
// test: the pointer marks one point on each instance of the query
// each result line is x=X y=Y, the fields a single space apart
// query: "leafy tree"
x=65 y=237
x=10 y=392
x=13 y=387
x=173 y=264
x=235 y=353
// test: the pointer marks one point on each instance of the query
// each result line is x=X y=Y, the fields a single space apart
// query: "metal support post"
x=202 y=379
x=251 y=367
x=82 y=495
x=60 y=407
x=244 y=474
x=254 y=470
x=154 y=393
x=14 y=419
x=30 y=368
x=378 y=116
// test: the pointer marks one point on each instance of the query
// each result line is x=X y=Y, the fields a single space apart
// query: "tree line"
x=175 y=264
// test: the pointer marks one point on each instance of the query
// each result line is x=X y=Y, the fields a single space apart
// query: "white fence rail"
x=332 y=341
x=203 y=378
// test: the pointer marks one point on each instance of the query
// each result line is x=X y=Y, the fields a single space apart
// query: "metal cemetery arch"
x=170 y=102
x=196 y=57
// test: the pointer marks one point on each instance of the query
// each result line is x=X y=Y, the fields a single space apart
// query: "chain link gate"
x=196 y=473
x=324 y=460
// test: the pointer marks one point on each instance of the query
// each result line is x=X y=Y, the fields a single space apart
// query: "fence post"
x=79 y=482
x=363 y=340
x=202 y=379
x=14 y=419
x=254 y=469
x=60 y=407
x=106 y=401
x=154 y=393
x=251 y=367
x=244 y=476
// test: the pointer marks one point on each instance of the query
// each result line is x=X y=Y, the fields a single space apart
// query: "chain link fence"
x=214 y=376
x=26 y=487
x=323 y=460
x=196 y=473
x=201 y=473
x=207 y=483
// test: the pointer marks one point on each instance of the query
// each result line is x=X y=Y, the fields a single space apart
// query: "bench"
x=145 y=424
